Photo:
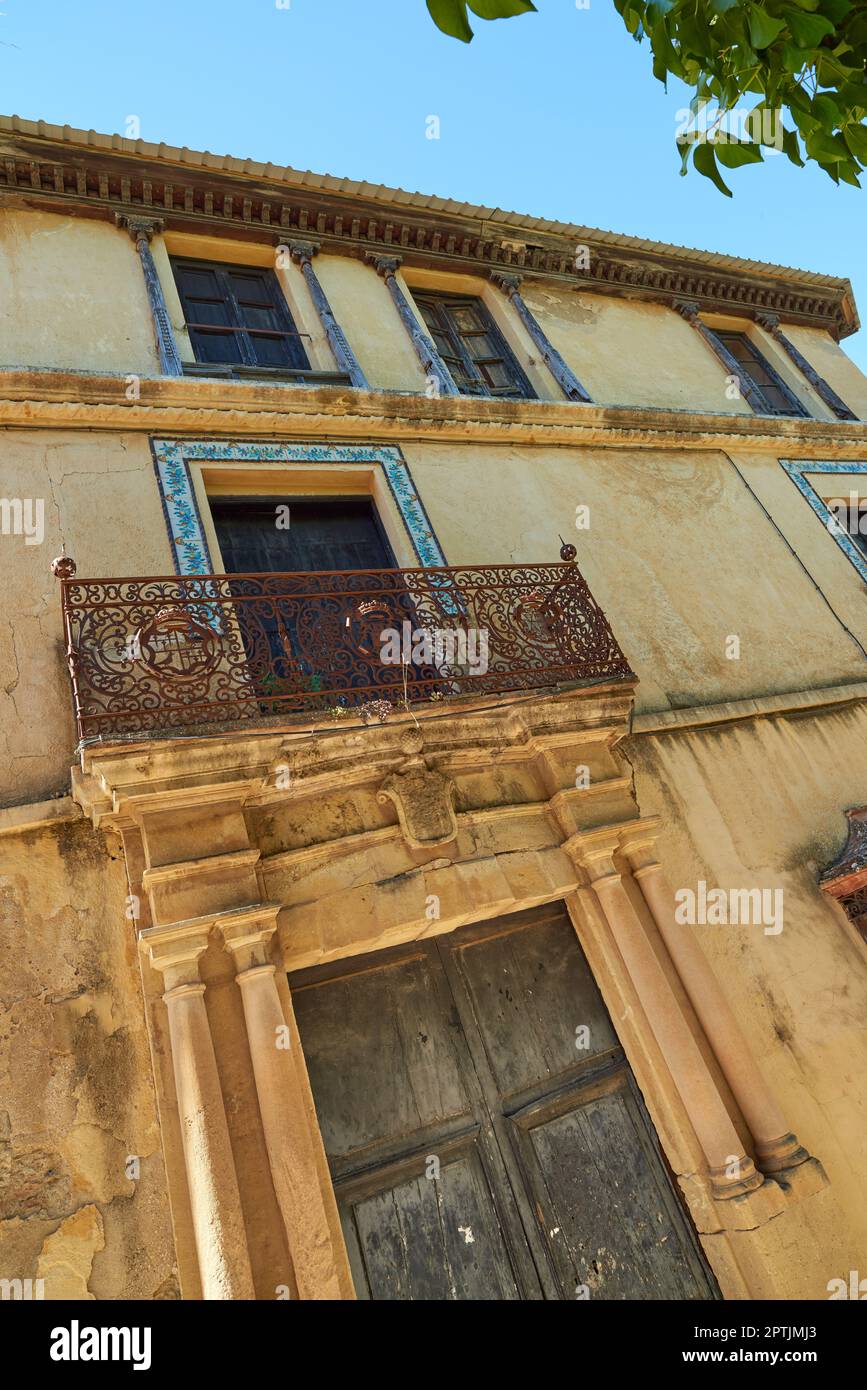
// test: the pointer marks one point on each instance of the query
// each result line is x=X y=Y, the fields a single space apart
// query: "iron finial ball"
x=63 y=567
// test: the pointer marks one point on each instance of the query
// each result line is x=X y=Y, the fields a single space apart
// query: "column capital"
x=771 y=322
x=140 y=226
x=638 y=843
x=245 y=933
x=301 y=251
x=175 y=950
x=509 y=284
x=687 y=308
x=383 y=265
x=594 y=853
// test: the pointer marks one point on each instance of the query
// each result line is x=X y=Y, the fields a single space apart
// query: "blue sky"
x=555 y=114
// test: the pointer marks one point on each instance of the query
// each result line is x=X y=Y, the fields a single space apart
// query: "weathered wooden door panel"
x=431 y=1239
x=612 y=1223
x=382 y=1063
x=394 y=1088
x=485 y=1135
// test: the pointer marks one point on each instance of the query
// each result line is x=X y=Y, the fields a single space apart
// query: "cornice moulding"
x=100 y=175
x=32 y=399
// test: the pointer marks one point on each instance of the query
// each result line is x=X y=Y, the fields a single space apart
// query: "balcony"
x=184 y=653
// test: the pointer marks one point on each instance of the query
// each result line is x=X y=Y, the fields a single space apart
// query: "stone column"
x=771 y=324
x=218 y=1222
x=302 y=253
x=732 y=1172
x=562 y=374
x=425 y=349
x=275 y=1055
x=141 y=229
x=776 y=1147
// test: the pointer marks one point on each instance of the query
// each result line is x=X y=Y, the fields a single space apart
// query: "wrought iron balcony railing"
x=154 y=654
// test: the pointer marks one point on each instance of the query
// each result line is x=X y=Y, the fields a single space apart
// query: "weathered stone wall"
x=76 y=1095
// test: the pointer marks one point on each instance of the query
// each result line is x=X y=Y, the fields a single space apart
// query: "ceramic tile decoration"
x=796 y=469
x=172 y=458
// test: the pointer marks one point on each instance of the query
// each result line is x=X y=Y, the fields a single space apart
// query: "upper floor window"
x=237 y=317
x=479 y=359
x=779 y=400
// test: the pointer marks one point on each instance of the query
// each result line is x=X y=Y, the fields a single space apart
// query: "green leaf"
x=794 y=58
x=856 y=138
x=451 y=17
x=808 y=30
x=827 y=149
x=720 y=6
x=734 y=153
x=705 y=163
x=791 y=148
x=826 y=112
x=763 y=27
x=500 y=9
x=835 y=10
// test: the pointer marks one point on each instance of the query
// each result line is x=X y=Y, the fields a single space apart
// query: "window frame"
x=520 y=388
x=798 y=408
x=241 y=334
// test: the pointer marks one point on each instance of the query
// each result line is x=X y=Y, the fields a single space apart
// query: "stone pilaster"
x=732 y=1172
x=215 y=1202
x=776 y=1148
x=141 y=229
x=302 y=253
x=771 y=324
x=561 y=372
x=432 y=364
x=275 y=1053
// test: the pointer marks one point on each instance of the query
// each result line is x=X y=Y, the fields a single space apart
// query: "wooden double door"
x=485 y=1134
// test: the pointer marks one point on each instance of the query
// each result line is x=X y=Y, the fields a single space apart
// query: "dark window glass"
x=476 y=354
x=238 y=316
x=779 y=400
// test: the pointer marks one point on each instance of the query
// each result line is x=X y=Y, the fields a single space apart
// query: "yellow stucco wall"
x=679 y=553
x=760 y=804
x=101 y=503
x=629 y=353
x=831 y=361
x=364 y=307
x=684 y=550
x=73 y=296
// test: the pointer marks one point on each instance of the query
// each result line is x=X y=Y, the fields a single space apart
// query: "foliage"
x=787 y=75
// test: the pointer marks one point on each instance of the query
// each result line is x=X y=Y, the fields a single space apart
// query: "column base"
x=777 y=1155
x=724 y=1186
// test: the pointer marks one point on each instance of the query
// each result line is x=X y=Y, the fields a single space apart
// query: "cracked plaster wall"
x=76 y=1097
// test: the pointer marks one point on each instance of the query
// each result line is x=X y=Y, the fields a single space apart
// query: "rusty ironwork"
x=156 y=654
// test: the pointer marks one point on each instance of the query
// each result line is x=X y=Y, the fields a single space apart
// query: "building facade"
x=433 y=691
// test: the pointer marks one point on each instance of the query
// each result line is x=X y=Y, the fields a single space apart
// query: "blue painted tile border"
x=796 y=468
x=172 y=458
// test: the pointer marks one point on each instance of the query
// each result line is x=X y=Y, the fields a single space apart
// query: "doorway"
x=486 y=1136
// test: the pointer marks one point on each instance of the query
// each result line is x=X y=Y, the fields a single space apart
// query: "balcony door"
x=317 y=643
x=484 y=1130
x=257 y=537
